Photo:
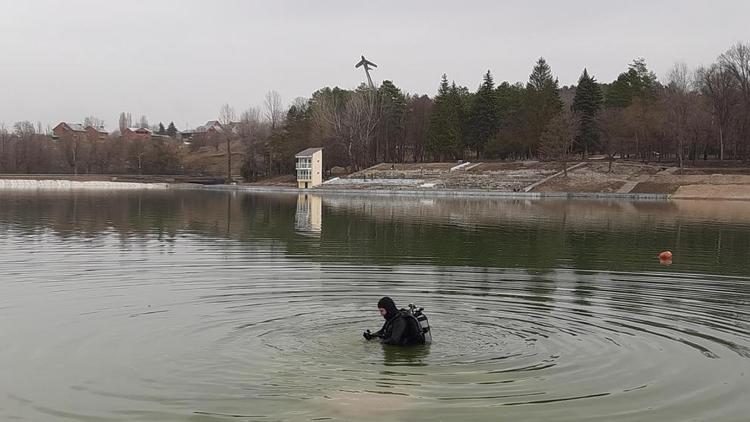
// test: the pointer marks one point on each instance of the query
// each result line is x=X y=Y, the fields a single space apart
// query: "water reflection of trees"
x=531 y=235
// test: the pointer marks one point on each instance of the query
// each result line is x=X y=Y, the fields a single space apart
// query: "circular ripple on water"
x=608 y=345
x=243 y=332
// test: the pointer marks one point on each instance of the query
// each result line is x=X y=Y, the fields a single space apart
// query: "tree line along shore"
x=691 y=115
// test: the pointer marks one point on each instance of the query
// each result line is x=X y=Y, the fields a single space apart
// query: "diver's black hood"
x=389 y=306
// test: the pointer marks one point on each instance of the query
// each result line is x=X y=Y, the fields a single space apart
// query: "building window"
x=303 y=174
x=304 y=168
x=303 y=163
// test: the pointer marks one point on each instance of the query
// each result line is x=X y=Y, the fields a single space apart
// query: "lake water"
x=212 y=306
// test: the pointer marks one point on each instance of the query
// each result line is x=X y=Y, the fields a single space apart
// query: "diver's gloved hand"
x=367 y=335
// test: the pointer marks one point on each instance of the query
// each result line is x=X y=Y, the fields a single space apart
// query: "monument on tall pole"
x=367 y=64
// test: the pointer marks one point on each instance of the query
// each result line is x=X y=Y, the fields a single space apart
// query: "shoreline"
x=26 y=185
x=55 y=184
x=474 y=193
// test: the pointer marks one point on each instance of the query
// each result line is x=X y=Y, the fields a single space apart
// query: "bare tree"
x=701 y=126
x=250 y=126
x=680 y=77
x=300 y=103
x=72 y=149
x=227 y=118
x=90 y=149
x=104 y=156
x=124 y=121
x=251 y=115
x=737 y=61
x=93 y=121
x=24 y=132
x=361 y=118
x=274 y=109
x=678 y=105
x=639 y=115
x=350 y=121
x=557 y=139
x=417 y=117
x=135 y=150
x=24 y=129
x=327 y=123
x=4 y=149
x=718 y=84
x=162 y=156
x=274 y=114
x=143 y=122
x=252 y=131
x=614 y=130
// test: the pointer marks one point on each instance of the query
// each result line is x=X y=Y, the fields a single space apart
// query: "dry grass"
x=410 y=166
x=211 y=161
x=288 y=180
x=570 y=184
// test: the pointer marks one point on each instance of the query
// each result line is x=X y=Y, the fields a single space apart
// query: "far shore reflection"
x=309 y=216
x=389 y=230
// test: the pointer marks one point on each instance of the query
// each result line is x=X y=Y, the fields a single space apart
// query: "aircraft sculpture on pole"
x=366 y=63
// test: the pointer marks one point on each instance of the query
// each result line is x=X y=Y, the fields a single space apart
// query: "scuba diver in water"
x=403 y=327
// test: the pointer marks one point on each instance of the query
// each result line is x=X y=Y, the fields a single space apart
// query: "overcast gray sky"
x=181 y=60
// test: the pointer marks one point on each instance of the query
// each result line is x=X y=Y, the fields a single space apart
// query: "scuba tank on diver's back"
x=424 y=325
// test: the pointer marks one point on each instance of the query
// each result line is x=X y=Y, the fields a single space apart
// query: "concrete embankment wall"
x=435 y=193
x=28 y=185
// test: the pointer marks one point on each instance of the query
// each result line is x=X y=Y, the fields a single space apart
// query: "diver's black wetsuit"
x=400 y=328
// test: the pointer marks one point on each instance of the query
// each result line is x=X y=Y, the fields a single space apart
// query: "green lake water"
x=226 y=306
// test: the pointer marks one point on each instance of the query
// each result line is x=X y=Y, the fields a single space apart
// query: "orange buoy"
x=665 y=256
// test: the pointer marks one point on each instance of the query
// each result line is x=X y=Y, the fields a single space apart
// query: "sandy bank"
x=734 y=192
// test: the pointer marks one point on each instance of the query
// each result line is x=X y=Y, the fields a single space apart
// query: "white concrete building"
x=309 y=168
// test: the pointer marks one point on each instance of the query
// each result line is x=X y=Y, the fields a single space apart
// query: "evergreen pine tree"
x=511 y=125
x=618 y=93
x=586 y=104
x=458 y=99
x=483 y=116
x=439 y=127
x=391 y=124
x=447 y=120
x=542 y=102
x=172 y=130
x=642 y=80
x=636 y=83
x=161 y=130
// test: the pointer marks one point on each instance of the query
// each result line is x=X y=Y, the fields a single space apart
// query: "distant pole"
x=369 y=79
x=229 y=160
